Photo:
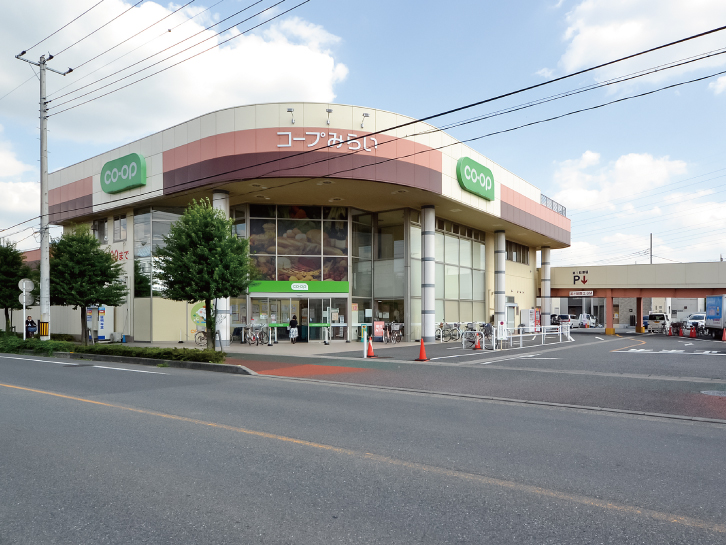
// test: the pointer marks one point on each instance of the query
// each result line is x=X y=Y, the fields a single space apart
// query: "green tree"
x=203 y=260
x=83 y=275
x=142 y=284
x=12 y=270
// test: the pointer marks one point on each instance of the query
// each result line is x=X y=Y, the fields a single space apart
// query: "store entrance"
x=314 y=315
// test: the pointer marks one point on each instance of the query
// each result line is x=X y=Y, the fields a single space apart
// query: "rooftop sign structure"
x=124 y=173
x=475 y=178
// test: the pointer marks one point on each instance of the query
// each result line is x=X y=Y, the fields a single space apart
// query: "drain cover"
x=719 y=393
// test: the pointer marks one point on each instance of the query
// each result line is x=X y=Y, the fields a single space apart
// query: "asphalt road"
x=108 y=454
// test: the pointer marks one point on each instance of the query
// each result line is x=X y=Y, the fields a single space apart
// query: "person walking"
x=30 y=327
x=293 y=329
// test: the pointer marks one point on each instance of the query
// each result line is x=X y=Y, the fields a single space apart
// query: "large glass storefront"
x=375 y=257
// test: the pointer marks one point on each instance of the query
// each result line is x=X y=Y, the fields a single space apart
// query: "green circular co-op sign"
x=124 y=173
x=475 y=178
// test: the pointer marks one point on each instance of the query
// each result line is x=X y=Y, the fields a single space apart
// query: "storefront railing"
x=552 y=205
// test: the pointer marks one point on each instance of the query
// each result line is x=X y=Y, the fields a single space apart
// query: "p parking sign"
x=124 y=173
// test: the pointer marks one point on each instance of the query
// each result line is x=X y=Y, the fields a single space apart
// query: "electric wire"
x=166 y=49
x=99 y=28
x=64 y=26
x=134 y=36
x=165 y=33
x=18 y=87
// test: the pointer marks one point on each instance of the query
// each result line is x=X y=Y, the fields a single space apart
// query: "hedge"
x=14 y=345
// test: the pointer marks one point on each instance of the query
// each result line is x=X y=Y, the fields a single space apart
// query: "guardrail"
x=552 y=205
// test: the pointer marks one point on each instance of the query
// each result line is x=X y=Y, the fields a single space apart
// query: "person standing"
x=293 y=329
x=30 y=327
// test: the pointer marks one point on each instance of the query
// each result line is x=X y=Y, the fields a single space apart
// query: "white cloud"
x=602 y=30
x=718 y=86
x=10 y=165
x=545 y=73
x=289 y=60
x=614 y=207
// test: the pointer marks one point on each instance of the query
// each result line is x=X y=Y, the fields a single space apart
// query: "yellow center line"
x=640 y=343
x=470 y=477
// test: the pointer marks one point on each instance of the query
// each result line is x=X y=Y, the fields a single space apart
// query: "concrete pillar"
x=220 y=201
x=428 y=274
x=500 y=254
x=545 y=287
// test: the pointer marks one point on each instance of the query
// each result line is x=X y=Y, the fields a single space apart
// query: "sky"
x=653 y=164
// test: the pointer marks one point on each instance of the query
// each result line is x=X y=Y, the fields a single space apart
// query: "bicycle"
x=395 y=333
x=257 y=336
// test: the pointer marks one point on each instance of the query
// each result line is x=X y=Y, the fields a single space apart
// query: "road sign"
x=581 y=294
x=26 y=284
x=26 y=299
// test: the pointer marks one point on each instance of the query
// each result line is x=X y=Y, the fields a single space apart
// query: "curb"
x=196 y=365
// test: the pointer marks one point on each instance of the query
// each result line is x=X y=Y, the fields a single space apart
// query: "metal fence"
x=552 y=205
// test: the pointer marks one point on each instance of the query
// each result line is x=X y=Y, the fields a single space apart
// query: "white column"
x=500 y=307
x=428 y=276
x=545 y=287
x=220 y=201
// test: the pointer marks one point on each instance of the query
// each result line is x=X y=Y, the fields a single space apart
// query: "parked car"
x=587 y=320
x=657 y=321
x=698 y=320
x=566 y=319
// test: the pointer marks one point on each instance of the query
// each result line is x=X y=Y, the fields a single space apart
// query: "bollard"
x=365 y=343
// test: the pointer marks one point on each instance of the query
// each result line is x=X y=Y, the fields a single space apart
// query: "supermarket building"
x=349 y=222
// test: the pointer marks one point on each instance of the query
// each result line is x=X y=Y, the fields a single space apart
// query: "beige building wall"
x=170 y=319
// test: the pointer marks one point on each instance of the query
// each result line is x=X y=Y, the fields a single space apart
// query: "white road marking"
x=132 y=370
x=599 y=338
x=545 y=358
x=46 y=361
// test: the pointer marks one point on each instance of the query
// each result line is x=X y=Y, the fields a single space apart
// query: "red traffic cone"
x=477 y=346
x=422 y=353
x=670 y=331
x=370 y=349
x=693 y=333
x=723 y=337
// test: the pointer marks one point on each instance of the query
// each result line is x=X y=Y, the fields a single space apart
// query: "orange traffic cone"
x=670 y=331
x=723 y=337
x=477 y=346
x=370 y=349
x=693 y=334
x=422 y=353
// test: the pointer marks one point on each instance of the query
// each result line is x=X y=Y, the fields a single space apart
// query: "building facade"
x=353 y=215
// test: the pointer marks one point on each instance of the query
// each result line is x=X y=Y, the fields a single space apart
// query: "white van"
x=587 y=320
x=658 y=321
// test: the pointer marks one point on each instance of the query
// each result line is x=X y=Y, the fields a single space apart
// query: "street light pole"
x=44 y=325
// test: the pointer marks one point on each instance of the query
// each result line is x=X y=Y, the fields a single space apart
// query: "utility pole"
x=44 y=324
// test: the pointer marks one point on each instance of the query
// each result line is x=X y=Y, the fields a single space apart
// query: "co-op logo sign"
x=475 y=178
x=124 y=173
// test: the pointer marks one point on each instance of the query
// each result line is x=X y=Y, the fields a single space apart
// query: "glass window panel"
x=388 y=278
x=335 y=268
x=240 y=228
x=335 y=237
x=415 y=243
x=478 y=313
x=119 y=228
x=266 y=267
x=299 y=212
x=394 y=217
x=465 y=252
x=451 y=286
x=362 y=238
x=142 y=277
x=415 y=319
x=439 y=289
x=451 y=310
x=465 y=311
x=294 y=268
x=415 y=278
x=335 y=213
x=415 y=216
x=479 y=255
x=142 y=235
x=479 y=286
x=439 y=237
x=465 y=291
x=439 y=315
x=390 y=241
x=162 y=218
x=262 y=210
x=299 y=237
x=362 y=278
x=262 y=236
x=360 y=216
x=451 y=245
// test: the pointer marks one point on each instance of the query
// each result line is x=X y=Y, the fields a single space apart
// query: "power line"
x=134 y=36
x=165 y=49
x=61 y=28
x=99 y=28
x=165 y=33
x=19 y=86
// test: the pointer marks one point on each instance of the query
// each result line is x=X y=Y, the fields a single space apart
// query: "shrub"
x=12 y=344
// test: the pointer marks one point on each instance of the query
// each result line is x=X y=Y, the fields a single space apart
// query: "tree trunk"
x=7 y=320
x=211 y=323
x=84 y=326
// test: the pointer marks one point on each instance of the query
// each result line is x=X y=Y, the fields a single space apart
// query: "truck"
x=715 y=315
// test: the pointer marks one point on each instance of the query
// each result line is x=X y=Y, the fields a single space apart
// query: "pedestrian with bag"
x=30 y=327
x=293 y=329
